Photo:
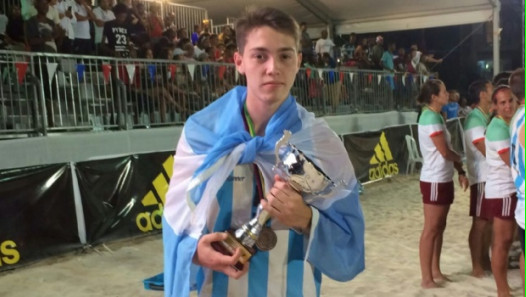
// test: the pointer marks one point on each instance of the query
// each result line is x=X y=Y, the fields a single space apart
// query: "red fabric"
x=156 y=27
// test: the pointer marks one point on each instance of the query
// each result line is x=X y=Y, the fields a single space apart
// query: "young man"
x=474 y=136
x=115 y=35
x=516 y=82
x=223 y=169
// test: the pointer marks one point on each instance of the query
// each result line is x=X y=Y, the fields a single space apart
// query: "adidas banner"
x=37 y=214
x=124 y=196
x=376 y=155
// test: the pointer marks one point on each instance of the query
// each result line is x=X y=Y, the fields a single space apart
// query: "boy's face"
x=270 y=61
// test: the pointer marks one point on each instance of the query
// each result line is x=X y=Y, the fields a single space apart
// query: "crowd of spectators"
x=124 y=28
x=370 y=53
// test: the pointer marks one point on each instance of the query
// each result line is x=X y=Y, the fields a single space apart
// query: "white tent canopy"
x=359 y=16
x=362 y=16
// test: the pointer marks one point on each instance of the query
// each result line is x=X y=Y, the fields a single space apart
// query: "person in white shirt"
x=324 y=45
x=501 y=194
x=474 y=135
x=436 y=179
x=103 y=14
x=52 y=12
x=83 y=44
x=67 y=19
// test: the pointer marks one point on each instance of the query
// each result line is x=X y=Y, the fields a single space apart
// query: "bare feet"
x=504 y=293
x=429 y=285
x=439 y=277
x=478 y=273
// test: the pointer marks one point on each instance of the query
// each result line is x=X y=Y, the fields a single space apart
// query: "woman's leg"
x=435 y=217
x=503 y=230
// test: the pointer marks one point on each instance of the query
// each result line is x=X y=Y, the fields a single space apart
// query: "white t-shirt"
x=65 y=22
x=105 y=16
x=324 y=46
x=499 y=182
x=435 y=169
x=474 y=132
x=52 y=14
x=81 y=27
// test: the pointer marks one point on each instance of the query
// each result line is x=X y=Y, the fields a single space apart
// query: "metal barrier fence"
x=41 y=93
x=185 y=16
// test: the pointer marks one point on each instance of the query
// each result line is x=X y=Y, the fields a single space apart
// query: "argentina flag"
x=212 y=190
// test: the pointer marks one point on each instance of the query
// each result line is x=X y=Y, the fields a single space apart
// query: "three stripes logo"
x=382 y=163
x=148 y=221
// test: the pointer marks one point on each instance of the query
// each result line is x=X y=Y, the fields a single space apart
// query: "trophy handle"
x=281 y=142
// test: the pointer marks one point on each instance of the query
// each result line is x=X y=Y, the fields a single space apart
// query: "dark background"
x=473 y=59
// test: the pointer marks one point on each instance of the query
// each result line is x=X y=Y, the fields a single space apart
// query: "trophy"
x=302 y=175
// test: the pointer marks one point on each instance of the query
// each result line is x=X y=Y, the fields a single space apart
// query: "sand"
x=393 y=214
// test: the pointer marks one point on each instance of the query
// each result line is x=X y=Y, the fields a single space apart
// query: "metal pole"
x=496 y=38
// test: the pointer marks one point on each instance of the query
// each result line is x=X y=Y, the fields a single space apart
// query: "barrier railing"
x=185 y=16
x=41 y=93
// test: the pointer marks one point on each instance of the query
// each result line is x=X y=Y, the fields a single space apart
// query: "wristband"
x=462 y=172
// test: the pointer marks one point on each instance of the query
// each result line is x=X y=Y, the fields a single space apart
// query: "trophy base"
x=228 y=247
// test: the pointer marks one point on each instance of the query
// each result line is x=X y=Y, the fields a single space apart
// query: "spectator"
x=324 y=44
x=83 y=44
x=15 y=29
x=156 y=24
x=378 y=51
x=67 y=19
x=41 y=32
x=450 y=110
x=387 y=60
x=419 y=60
x=28 y=9
x=115 y=36
x=306 y=41
x=52 y=12
x=228 y=56
x=103 y=14
x=215 y=52
x=361 y=58
x=202 y=43
x=195 y=34
x=400 y=61
x=169 y=21
x=349 y=48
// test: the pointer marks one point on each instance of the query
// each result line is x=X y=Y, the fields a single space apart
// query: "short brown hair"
x=267 y=16
x=517 y=83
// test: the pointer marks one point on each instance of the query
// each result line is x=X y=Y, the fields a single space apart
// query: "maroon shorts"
x=502 y=208
x=476 y=200
x=437 y=193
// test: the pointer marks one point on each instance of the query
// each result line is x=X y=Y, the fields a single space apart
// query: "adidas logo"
x=148 y=221
x=382 y=163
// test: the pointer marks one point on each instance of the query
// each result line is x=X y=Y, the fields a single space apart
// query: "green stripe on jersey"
x=476 y=118
x=497 y=130
x=429 y=117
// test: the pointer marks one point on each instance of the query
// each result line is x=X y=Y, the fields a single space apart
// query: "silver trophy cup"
x=303 y=175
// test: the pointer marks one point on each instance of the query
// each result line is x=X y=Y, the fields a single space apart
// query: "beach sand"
x=393 y=214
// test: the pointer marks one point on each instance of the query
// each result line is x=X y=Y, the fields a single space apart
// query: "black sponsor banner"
x=124 y=196
x=37 y=214
x=360 y=147
x=376 y=155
